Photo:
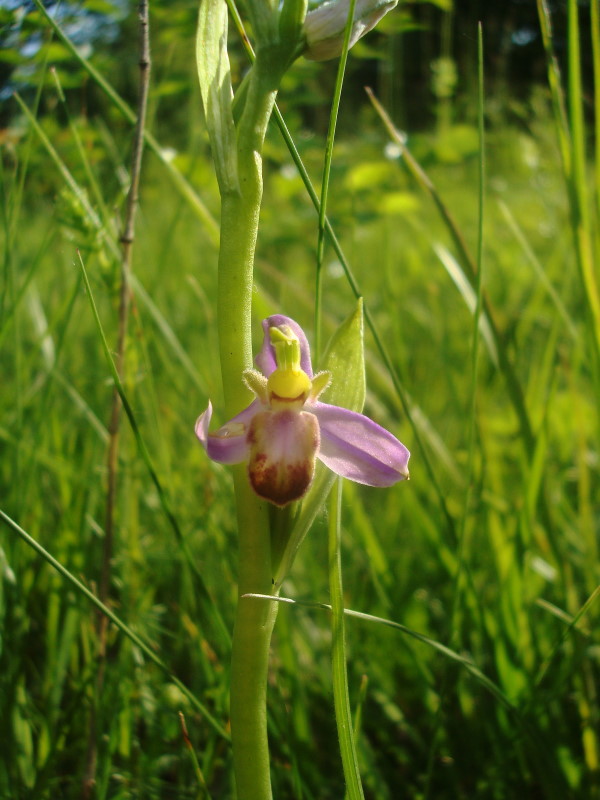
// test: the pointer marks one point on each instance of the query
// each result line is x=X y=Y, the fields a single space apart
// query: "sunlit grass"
x=529 y=560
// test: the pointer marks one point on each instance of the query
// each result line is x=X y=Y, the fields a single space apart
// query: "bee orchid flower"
x=286 y=427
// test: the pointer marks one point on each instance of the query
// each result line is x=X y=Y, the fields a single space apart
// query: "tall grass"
x=483 y=685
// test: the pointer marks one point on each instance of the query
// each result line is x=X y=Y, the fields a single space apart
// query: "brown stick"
x=127 y=238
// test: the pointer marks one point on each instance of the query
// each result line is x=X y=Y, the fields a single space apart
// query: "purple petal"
x=228 y=445
x=283 y=448
x=265 y=360
x=355 y=447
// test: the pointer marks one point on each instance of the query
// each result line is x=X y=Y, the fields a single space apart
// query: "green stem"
x=254 y=621
x=239 y=228
x=251 y=641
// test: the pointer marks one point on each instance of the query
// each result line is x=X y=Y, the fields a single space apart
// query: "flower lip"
x=283 y=445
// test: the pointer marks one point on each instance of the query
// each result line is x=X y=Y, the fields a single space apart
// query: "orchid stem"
x=239 y=228
x=254 y=621
x=254 y=624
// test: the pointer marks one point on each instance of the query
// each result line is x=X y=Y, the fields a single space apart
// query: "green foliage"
x=519 y=603
x=217 y=95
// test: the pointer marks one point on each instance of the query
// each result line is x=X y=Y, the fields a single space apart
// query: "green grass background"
x=496 y=557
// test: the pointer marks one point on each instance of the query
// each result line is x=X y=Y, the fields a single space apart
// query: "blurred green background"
x=490 y=550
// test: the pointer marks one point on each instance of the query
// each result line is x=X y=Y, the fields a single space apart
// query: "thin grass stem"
x=194 y=758
x=112 y=459
x=580 y=209
x=572 y=624
x=514 y=388
x=595 y=37
x=322 y=210
x=471 y=416
x=555 y=84
x=341 y=698
x=179 y=181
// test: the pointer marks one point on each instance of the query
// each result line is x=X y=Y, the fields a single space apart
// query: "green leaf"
x=215 y=87
x=344 y=358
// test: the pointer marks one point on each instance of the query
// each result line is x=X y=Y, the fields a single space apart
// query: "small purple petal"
x=355 y=447
x=228 y=445
x=265 y=360
x=283 y=447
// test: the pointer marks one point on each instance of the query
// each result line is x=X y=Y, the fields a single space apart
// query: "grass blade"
x=447 y=652
x=83 y=590
x=143 y=450
x=469 y=295
x=538 y=268
x=341 y=699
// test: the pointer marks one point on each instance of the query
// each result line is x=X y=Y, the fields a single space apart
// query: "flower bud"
x=324 y=26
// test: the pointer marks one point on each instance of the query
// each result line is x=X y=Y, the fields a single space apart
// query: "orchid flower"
x=286 y=427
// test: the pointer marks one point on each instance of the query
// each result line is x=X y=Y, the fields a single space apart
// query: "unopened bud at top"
x=324 y=26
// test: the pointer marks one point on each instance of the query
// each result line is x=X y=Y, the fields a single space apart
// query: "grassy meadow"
x=480 y=676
